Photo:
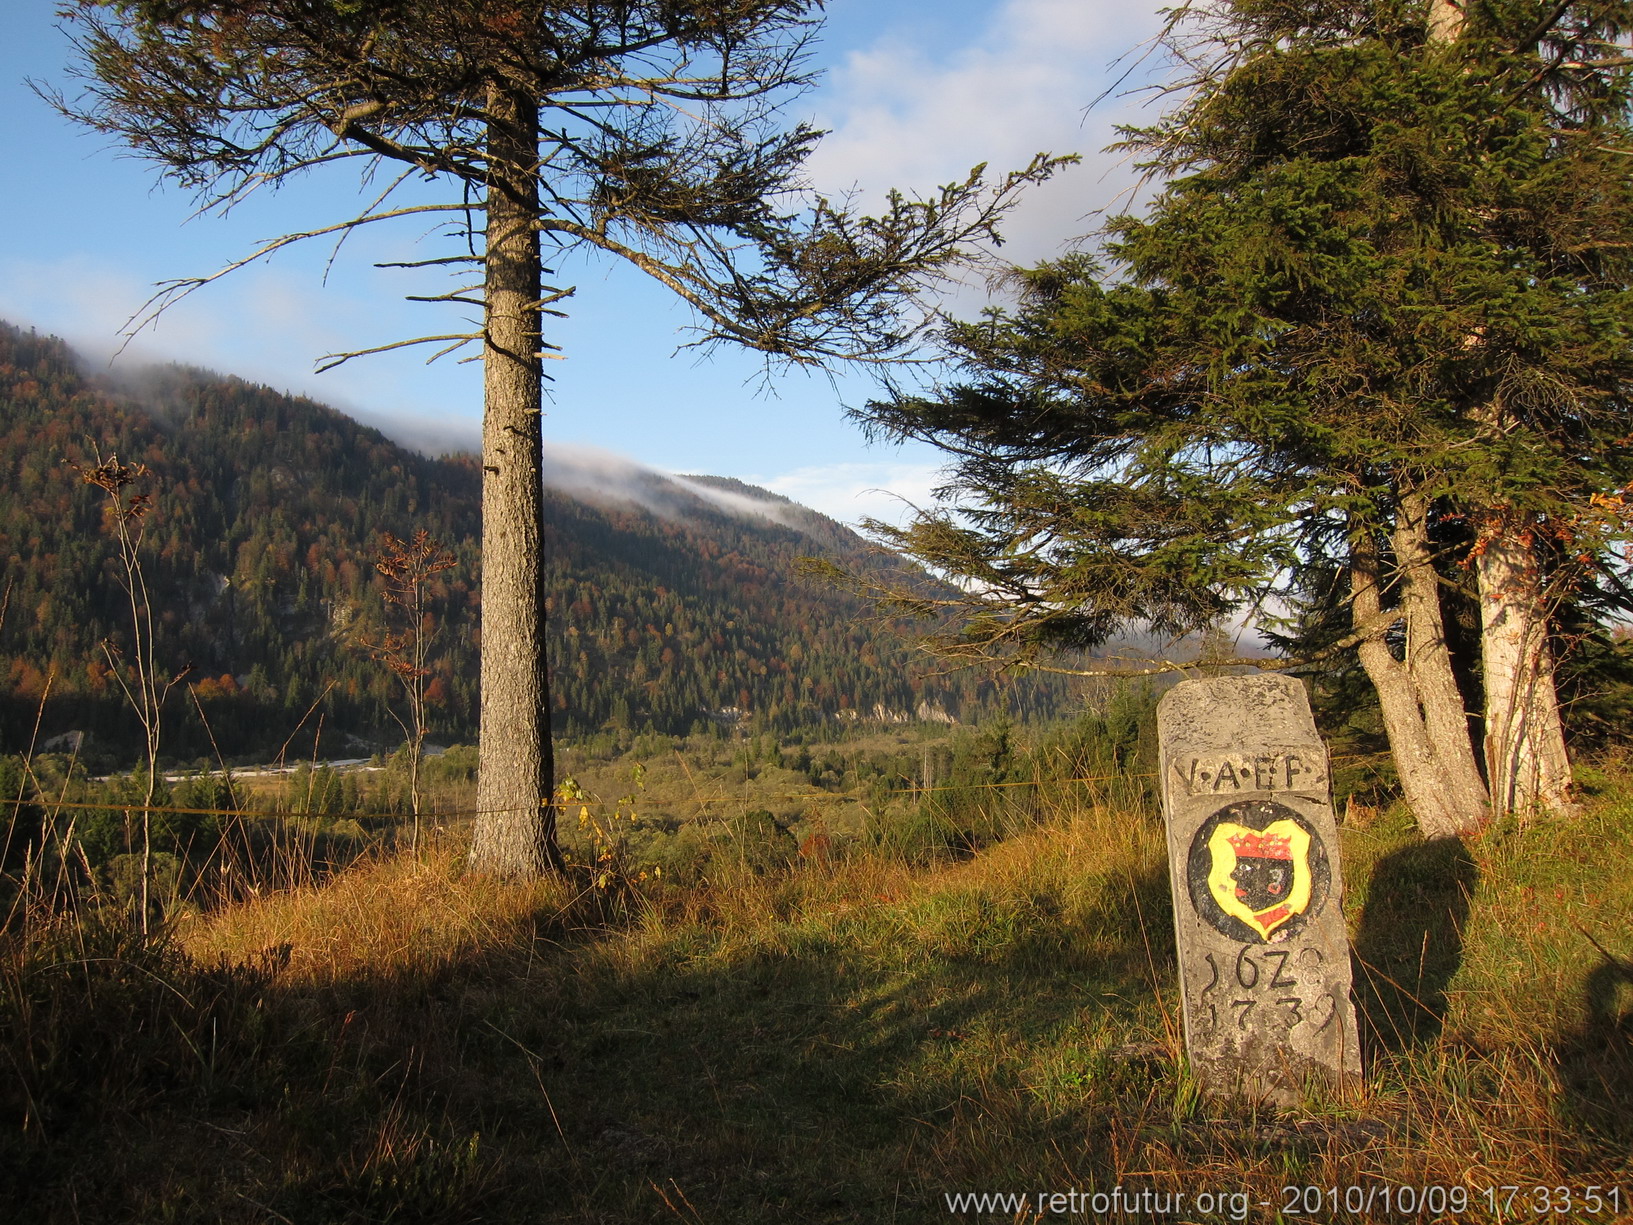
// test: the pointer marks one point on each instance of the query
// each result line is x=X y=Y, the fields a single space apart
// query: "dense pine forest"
x=267 y=514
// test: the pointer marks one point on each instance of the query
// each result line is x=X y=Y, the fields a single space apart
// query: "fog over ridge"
x=585 y=472
x=593 y=473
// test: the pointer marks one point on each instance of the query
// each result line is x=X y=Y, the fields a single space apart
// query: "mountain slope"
x=673 y=605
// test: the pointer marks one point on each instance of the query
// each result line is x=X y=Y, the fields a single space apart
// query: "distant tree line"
x=269 y=513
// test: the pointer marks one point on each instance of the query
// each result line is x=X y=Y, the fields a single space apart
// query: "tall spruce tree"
x=643 y=129
x=1379 y=316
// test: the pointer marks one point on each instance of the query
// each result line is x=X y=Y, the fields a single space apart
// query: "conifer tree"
x=642 y=129
x=1377 y=316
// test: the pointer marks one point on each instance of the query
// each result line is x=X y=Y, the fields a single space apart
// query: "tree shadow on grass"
x=1595 y=1060
x=1410 y=942
x=849 y=1071
x=843 y=1065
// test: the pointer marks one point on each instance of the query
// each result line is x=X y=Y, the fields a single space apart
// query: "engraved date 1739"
x=1261 y=984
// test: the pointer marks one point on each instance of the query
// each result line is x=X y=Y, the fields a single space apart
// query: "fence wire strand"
x=564 y=804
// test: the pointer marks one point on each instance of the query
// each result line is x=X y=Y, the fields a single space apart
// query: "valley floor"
x=858 y=1039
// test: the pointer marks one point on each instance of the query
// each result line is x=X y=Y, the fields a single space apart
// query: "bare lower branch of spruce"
x=173 y=291
x=330 y=360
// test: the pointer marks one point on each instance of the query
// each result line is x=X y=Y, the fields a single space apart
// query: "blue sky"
x=915 y=92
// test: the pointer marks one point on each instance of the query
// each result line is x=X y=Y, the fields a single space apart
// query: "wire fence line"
x=118 y=806
x=565 y=804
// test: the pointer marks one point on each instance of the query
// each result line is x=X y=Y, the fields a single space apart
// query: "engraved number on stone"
x=1332 y=1011
x=1247 y=1010
x=1247 y=970
x=1296 y=1015
x=1213 y=1018
x=1214 y=967
x=1279 y=978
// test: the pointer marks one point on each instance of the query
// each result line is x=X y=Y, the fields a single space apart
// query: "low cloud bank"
x=593 y=474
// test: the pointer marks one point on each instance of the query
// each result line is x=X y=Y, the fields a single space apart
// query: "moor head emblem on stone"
x=1257 y=871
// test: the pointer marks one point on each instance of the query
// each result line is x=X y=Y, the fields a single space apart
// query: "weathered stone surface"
x=1253 y=860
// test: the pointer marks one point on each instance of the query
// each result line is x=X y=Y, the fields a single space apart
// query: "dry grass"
x=383 y=918
x=846 y=1041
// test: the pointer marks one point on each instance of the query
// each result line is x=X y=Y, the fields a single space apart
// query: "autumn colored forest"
x=670 y=614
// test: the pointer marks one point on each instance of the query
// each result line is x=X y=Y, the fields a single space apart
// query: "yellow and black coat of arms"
x=1257 y=871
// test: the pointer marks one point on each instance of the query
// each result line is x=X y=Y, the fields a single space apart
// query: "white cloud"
x=735 y=503
x=88 y=303
x=422 y=432
x=267 y=325
x=595 y=474
x=1018 y=86
x=885 y=490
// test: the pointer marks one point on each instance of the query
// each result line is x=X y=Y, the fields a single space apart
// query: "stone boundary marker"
x=1253 y=860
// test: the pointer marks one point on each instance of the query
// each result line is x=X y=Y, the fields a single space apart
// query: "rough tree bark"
x=1527 y=764
x=1526 y=759
x=1445 y=20
x=514 y=831
x=1429 y=666
x=1419 y=759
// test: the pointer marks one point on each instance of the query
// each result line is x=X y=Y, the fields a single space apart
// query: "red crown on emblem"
x=1262 y=846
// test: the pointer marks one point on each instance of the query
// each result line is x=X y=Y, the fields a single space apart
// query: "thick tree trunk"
x=1526 y=759
x=1422 y=767
x=1527 y=767
x=515 y=831
x=1429 y=665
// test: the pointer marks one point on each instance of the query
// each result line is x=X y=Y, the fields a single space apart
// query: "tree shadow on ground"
x=850 y=1071
x=839 y=1068
x=1410 y=942
x=1595 y=1060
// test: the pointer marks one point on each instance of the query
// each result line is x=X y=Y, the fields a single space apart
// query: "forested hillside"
x=267 y=516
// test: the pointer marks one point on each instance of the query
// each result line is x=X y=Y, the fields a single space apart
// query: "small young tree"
x=1378 y=308
x=135 y=668
x=407 y=568
x=641 y=129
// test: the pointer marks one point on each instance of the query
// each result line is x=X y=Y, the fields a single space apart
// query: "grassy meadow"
x=856 y=1033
